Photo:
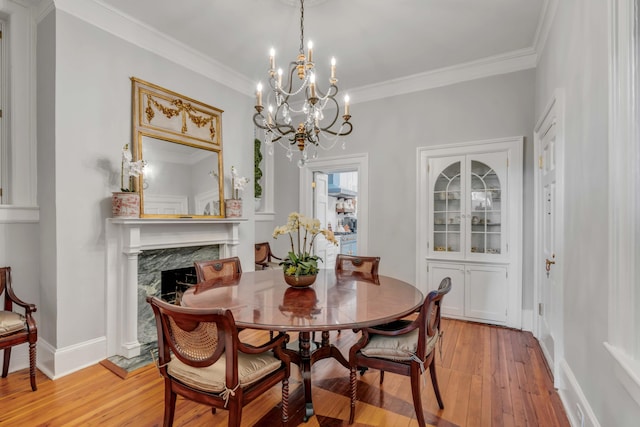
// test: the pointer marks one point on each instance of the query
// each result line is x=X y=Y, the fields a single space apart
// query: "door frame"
x=553 y=114
x=351 y=162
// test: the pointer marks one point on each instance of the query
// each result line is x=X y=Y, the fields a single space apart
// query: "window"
x=624 y=189
x=17 y=125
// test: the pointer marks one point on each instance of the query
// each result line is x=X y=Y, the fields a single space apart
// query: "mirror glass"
x=179 y=179
x=180 y=141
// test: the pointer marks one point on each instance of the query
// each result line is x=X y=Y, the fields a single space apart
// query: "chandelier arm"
x=328 y=95
x=277 y=128
x=335 y=117
x=339 y=132
x=288 y=92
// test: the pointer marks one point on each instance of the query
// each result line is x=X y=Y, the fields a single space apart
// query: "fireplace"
x=174 y=282
x=137 y=250
x=174 y=263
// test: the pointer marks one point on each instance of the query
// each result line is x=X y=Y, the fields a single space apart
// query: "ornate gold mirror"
x=180 y=141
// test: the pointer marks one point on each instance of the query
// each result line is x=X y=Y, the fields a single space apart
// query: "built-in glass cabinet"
x=467 y=195
x=470 y=209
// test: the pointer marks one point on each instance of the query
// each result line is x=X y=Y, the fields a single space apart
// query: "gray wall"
x=575 y=61
x=84 y=120
x=390 y=130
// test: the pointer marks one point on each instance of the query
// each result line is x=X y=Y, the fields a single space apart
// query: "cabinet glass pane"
x=486 y=209
x=447 y=212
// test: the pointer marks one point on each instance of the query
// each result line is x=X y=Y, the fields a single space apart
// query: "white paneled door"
x=548 y=267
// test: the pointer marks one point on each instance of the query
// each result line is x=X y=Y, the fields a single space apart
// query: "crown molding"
x=547 y=15
x=509 y=62
x=41 y=8
x=142 y=35
x=136 y=32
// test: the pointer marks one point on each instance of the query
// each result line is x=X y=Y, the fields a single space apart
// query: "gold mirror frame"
x=162 y=118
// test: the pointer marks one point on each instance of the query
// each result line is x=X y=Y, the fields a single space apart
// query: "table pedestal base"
x=305 y=358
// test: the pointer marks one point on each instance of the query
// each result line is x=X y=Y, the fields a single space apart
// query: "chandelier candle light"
x=311 y=101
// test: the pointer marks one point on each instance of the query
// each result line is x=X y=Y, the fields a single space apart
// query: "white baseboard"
x=527 y=320
x=574 y=400
x=56 y=363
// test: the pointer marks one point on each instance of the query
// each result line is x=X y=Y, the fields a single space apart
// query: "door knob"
x=550 y=262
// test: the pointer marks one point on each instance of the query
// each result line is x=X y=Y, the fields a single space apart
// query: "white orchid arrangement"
x=237 y=182
x=300 y=261
x=129 y=168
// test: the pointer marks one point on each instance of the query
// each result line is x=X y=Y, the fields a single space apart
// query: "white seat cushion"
x=398 y=348
x=251 y=367
x=11 y=322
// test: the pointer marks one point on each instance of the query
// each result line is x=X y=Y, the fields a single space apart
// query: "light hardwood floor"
x=488 y=376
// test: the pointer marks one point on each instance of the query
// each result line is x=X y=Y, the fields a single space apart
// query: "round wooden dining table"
x=263 y=300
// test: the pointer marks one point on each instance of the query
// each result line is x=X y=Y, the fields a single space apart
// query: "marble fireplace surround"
x=126 y=239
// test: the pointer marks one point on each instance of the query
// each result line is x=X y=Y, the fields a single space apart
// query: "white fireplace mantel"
x=126 y=239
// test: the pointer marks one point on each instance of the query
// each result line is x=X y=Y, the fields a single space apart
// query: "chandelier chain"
x=301 y=26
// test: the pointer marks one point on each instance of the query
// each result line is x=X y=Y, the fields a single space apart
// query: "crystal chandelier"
x=301 y=99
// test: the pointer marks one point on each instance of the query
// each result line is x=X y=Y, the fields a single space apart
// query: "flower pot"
x=233 y=208
x=125 y=204
x=300 y=281
x=257 y=201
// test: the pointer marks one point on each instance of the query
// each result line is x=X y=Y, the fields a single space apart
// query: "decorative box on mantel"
x=126 y=238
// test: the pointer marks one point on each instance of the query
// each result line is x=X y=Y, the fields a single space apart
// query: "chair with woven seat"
x=402 y=347
x=264 y=256
x=227 y=268
x=16 y=328
x=202 y=359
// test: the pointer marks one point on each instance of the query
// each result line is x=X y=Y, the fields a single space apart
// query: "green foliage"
x=257 y=172
x=300 y=264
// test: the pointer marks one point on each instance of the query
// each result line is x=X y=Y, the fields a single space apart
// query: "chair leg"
x=5 y=365
x=415 y=392
x=285 y=401
x=235 y=413
x=169 y=404
x=434 y=381
x=32 y=365
x=381 y=376
x=353 y=386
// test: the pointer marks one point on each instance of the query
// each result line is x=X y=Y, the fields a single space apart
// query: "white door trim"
x=352 y=162
x=553 y=115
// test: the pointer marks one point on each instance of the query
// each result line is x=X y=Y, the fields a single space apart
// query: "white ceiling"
x=374 y=41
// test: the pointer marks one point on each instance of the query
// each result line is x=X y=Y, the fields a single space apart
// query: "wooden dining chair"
x=202 y=359
x=264 y=256
x=16 y=328
x=360 y=267
x=347 y=264
x=218 y=269
x=403 y=347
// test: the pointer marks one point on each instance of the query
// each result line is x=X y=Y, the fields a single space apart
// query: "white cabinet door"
x=447 y=206
x=453 y=302
x=487 y=195
x=486 y=293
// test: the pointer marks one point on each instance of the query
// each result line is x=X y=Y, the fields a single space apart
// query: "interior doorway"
x=347 y=198
x=548 y=251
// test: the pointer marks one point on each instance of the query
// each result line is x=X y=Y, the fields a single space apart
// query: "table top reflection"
x=262 y=300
